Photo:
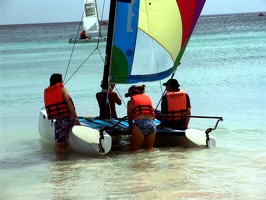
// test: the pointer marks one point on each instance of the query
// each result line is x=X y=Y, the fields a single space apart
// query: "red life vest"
x=176 y=105
x=55 y=105
x=141 y=105
x=82 y=35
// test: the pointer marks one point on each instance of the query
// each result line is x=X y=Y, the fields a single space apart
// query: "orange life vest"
x=176 y=105
x=141 y=105
x=55 y=105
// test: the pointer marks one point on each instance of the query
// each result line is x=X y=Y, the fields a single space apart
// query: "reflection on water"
x=165 y=173
x=161 y=174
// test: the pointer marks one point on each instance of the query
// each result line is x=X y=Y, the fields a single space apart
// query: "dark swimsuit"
x=146 y=126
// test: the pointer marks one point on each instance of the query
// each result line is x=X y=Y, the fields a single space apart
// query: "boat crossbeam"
x=208 y=130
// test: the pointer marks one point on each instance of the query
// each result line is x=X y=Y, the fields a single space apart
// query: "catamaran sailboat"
x=165 y=28
x=91 y=24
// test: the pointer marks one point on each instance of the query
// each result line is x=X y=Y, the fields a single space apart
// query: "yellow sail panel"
x=161 y=20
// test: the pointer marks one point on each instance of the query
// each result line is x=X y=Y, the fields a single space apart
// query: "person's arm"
x=188 y=111
x=129 y=116
x=118 y=100
x=187 y=118
x=164 y=105
x=70 y=105
x=98 y=97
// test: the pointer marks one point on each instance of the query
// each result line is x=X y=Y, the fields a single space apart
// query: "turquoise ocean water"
x=224 y=72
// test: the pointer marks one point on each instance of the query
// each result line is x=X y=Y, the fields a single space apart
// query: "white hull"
x=91 y=40
x=187 y=138
x=182 y=141
x=46 y=131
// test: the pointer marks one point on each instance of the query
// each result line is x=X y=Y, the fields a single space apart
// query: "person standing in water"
x=59 y=106
x=141 y=118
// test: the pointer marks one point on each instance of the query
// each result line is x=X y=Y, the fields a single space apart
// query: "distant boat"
x=88 y=40
x=261 y=14
x=91 y=24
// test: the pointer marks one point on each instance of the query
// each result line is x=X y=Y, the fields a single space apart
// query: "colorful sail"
x=150 y=37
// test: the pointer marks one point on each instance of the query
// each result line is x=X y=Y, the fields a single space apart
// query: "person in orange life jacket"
x=140 y=118
x=83 y=35
x=60 y=106
x=110 y=111
x=175 y=100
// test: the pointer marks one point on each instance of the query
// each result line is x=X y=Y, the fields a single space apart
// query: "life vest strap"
x=142 y=109
x=175 y=116
x=57 y=110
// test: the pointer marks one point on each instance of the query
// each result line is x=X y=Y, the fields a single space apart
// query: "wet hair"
x=175 y=87
x=55 y=78
x=134 y=89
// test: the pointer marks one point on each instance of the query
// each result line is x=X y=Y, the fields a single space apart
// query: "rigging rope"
x=74 y=45
x=165 y=90
x=81 y=64
x=69 y=61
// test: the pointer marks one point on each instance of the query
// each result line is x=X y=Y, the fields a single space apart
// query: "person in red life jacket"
x=175 y=102
x=83 y=35
x=60 y=106
x=141 y=117
x=110 y=110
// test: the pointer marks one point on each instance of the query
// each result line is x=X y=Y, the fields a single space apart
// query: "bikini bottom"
x=146 y=126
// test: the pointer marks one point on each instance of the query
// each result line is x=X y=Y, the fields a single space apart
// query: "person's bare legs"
x=149 y=140
x=64 y=145
x=58 y=148
x=136 y=139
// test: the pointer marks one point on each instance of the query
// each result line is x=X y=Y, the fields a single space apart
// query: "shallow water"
x=223 y=72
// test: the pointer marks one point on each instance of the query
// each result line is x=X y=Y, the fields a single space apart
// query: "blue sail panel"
x=124 y=40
